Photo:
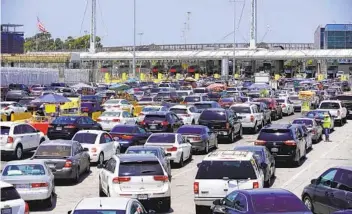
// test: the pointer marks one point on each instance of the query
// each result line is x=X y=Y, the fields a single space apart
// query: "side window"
x=107 y=138
x=141 y=130
x=180 y=139
x=124 y=114
x=229 y=200
x=79 y=148
x=18 y=130
x=343 y=180
x=102 y=139
x=89 y=120
x=29 y=129
x=110 y=165
x=327 y=178
x=240 y=203
x=298 y=133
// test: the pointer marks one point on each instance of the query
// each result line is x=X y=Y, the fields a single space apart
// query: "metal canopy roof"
x=259 y=54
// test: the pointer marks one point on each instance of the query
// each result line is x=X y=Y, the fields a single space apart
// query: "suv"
x=11 y=201
x=222 y=172
x=336 y=108
x=224 y=122
x=136 y=176
x=161 y=122
x=250 y=116
x=284 y=141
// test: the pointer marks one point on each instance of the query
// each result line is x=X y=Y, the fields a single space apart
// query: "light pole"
x=140 y=38
x=234 y=39
x=134 y=40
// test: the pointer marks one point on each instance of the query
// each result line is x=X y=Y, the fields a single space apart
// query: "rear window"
x=4 y=105
x=143 y=168
x=275 y=135
x=179 y=110
x=213 y=115
x=110 y=114
x=189 y=130
x=163 y=95
x=155 y=90
x=182 y=94
x=308 y=123
x=162 y=138
x=202 y=105
x=88 y=138
x=349 y=98
x=148 y=109
x=230 y=169
x=241 y=110
x=4 y=130
x=23 y=169
x=9 y=193
x=140 y=151
x=65 y=120
x=192 y=99
x=54 y=150
x=274 y=203
x=294 y=98
x=99 y=211
x=112 y=102
x=199 y=90
x=327 y=105
x=123 y=129
x=164 y=85
x=155 y=117
x=227 y=100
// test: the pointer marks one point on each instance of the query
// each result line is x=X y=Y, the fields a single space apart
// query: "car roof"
x=105 y=203
x=27 y=161
x=126 y=125
x=205 y=102
x=7 y=102
x=144 y=148
x=267 y=191
x=92 y=131
x=303 y=118
x=180 y=106
x=58 y=142
x=193 y=126
x=349 y=168
x=214 y=109
x=9 y=124
x=136 y=157
x=5 y=184
x=243 y=104
x=278 y=126
x=250 y=148
x=157 y=113
x=229 y=155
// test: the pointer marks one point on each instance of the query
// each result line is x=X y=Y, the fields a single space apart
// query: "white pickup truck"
x=336 y=109
x=250 y=116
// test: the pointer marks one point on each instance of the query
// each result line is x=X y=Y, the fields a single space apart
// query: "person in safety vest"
x=326 y=126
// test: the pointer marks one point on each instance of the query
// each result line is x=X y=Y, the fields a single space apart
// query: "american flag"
x=41 y=26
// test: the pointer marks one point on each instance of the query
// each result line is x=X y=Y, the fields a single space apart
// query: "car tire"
x=255 y=128
x=101 y=192
x=190 y=155
x=88 y=167
x=166 y=205
x=308 y=202
x=77 y=176
x=341 y=122
x=49 y=202
x=206 y=149
x=101 y=158
x=181 y=163
x=345 y=119
x=268 y=182
x=18 y=152
x=201 y=209
x=298 y=162
x=240 y=133
x=281 y=115
x=193 y=122
x=269 y=121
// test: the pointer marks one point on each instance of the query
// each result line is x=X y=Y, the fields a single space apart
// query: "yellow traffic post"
x=196 y=76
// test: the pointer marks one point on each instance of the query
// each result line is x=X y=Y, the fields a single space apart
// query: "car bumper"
x=248 y=125
x=175 y=156
x=297 y=108
x=64 y=173
x=63 y=136
x=198 y=146
x=205 y=201
x=31 y=195
x=187 y=120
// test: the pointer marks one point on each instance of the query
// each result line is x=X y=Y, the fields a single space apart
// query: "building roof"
x=338 y=27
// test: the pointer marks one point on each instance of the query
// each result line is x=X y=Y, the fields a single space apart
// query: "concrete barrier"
x=3 y=117
x=21 y=116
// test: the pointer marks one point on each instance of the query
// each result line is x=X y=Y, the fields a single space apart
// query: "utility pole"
x=234 y=39
x=93 y=27
x=253 y=33
x=140 y=38
x=134 y=40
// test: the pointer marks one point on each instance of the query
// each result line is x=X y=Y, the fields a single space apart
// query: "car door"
x=258 y=115
x=177 y=120
x=77 y=153
x=322 y=188
x=165 y=161
x=130 y=119
x=340 y=194
x=183 y=144
x=20 y=131
x=142 y=135
x=33 y=135
x=109 y=145
x=308 y=137
x=107 y=172
x=236 y=122
x=210 y=135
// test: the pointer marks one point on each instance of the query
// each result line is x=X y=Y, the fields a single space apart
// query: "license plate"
x=142 y=197
x=58 y=128
x=22 y=186
x=274 y=149
x=51 y=165
x=152 y=127
x=6 y=211
x=107 y=121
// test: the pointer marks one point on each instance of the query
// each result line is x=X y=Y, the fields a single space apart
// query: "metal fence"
x=31 y=76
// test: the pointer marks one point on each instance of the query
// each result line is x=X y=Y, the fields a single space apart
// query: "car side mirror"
x=100 y=166
x=69 y=212
x=314 y=181
x=263 y=165
x=217 y=202
x=151 y=212
x=85 y=149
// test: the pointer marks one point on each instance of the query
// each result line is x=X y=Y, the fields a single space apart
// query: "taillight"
x=187 y=115
x=142 y=123
x=290 y=143
x=38 y=185
x=118 y=180
x=252 y=118
x=10 y=139
x=196 y=187
x=255 y=185
x=116 y=120
x=70 y=127
x=127 y=137
x=118 y=106
x=338 y=112
x=172 y=149
x=161 y=178
x=68 y=164
x=99 y=120
x=164 y=123
x=227 y=125
x=259 y=142
x=26 y=208
x=197 y=138
x=93 y=149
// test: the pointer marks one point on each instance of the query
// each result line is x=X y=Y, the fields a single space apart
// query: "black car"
x=129 y=135
x=65 y=127
x=265 y=160
x=161 y=122
x=224 y=122
x=168 y=96
x=284 y=141
x=330 y=192
x=66 y=158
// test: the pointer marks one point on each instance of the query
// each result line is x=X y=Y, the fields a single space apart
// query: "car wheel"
x=206 y=149
x=190 y=155
x=216 y=146
x=202 y=209
x=193 y=122
x=101 y=192
x=18 y=152
x=181 y=163
x=308 y=202
x=88 y=167
x=77 y=176
x=268 y=182
x=269 y=121
x=298 y=162
x=101 y=159
x=281 y=115
x=240 y=133
x=49 y=201
x=341 y=122
x=166 y=205
x=345 y=120
x=255 y=128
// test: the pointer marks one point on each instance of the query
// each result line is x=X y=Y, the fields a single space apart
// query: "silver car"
x=32 y=179
x=313 y=127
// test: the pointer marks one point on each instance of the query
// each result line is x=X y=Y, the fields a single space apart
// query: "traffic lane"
x=323 y=156
x=7 y=158
x=182 y=179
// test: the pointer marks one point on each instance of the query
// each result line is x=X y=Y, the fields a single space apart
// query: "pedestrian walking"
x=326 y=126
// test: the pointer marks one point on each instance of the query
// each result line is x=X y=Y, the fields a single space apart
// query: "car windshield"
x=4 y=130
x=227 y=100
x=213 y=115
x=275 y=135
x=199 y=90
x=178 y=110
x=99 y=211
x=111 y=114
x=112 y=102
x=190 y=130
x=182 y=94
x=123 y=129
x=140 y=168
x=53 y=151
x=277 y=203
x=23 y=170
x=148 y=109
x=202 y=105
x=141 y=151
x=192 y=99
x=88 y=138
x=226 y=169
x=139 y=93
x=155 y=117
x=65 y=120
x=161 y=138
x=294 y=98
x=241 y=109
x=313 y=114
x=308 y=123
x=155 y=90
x=4 y=105
x=327 y=105
x=163 y=94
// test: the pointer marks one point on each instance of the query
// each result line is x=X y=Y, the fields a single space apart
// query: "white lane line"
x=183 y=172
x=309 y=166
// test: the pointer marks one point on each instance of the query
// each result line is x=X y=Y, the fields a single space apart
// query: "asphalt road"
x=323 y=156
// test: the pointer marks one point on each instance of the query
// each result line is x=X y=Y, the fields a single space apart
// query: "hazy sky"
x=162 y=21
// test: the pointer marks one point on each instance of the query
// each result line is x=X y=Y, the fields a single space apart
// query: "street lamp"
x=140 y=38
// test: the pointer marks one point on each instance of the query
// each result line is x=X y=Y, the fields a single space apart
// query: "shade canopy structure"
x=51 y=98
x=119 y=87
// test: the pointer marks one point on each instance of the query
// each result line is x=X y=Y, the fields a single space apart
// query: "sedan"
x=265 y=160
x=188 y=114
x=33 y=180
x=200 y=137
x=67 y=159
x=286 y=105
x=109 y=119
x=313 y=127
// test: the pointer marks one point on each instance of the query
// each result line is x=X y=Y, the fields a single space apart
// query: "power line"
x=102 y=20
x=84 y=15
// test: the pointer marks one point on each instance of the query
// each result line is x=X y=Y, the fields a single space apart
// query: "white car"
x=189 y=100
x=101 y=146
x=136 y=176
x=138 y=94
x=9 y=108
x=146 y=101
x=286 y=105
x=189 y=114
x=222 y=172
x=249 y=115
x=336 y=108
x=114 y=104
x=149 y=108
x=109 y=119
x=19 y=137
x=11 y=201
x=109 y=205
x=174 y=144
x=184 y=93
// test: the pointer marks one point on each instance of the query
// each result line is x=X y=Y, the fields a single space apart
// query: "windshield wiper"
x=147 y=171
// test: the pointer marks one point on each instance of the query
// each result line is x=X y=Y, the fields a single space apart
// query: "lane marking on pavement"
x=309 y=166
